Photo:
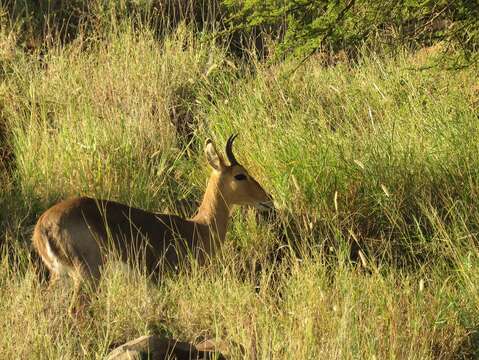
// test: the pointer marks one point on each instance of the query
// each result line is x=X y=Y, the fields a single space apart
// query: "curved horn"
x=229 y=150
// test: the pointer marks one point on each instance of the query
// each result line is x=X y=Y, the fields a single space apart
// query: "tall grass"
x=373 y=166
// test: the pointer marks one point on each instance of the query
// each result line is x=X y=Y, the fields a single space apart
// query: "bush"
x=305 y=27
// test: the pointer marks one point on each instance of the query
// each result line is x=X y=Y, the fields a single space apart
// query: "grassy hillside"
x=373 y=252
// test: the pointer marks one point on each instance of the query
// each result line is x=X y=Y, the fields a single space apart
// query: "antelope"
x=73 y=237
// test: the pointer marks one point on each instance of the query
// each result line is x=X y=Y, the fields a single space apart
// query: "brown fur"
x=76 y=235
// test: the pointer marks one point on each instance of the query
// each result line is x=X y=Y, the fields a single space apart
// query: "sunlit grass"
x=376 y=157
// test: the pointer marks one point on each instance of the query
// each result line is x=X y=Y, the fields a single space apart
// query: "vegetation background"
x=360 y=117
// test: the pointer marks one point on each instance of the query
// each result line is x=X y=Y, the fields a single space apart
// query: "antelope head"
x=236 y=185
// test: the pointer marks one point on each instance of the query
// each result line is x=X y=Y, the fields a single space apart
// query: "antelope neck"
x=214 y=210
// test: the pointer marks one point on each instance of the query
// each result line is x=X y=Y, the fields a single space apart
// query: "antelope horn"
x=229 y=150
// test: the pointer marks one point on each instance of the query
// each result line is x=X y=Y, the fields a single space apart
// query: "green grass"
x=377 y=156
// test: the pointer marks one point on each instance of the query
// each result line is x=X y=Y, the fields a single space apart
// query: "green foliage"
x=305 y=26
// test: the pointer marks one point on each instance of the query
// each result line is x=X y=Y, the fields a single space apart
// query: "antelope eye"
x=240 y=177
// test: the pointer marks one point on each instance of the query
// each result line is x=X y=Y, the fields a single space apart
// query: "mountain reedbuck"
x=73 y=237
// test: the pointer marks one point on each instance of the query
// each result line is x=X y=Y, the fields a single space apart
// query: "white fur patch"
x=55 y=264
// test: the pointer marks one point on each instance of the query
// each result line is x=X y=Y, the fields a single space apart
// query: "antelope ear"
x=216 y=160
